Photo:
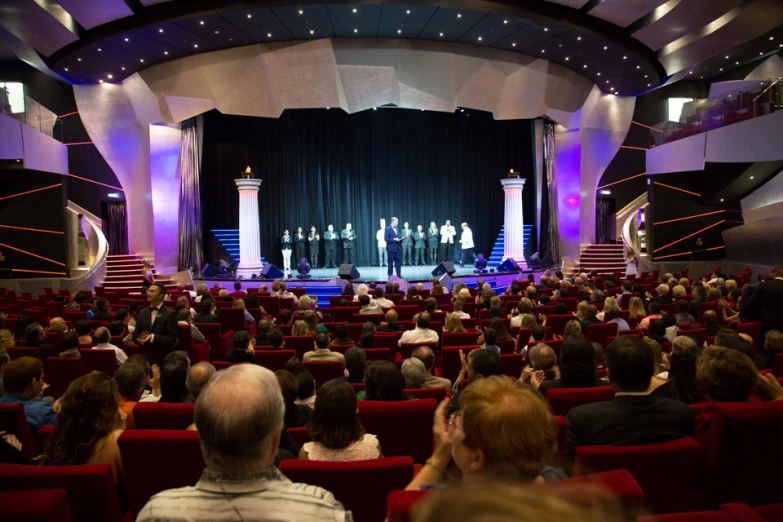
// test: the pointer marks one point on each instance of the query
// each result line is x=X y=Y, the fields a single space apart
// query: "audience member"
x=380 y=300
x=70 y=344
x=311 y=320
x=152 y=394
x=765 y=304
x=422 y=332
x=682 y=384
x=208 y=312
x=58 y=324
x=103 y=338
x=23 y=383
x=368 y=306
x=300 y=329
x=185 y=318
x=653 y=313
x=262 y=337
x=490 y=341
x=727 y=338
x=322 y=353
x=341 y=335
x=773 y=345
x=453 y=324
x=683 y=315
x=577 y=367
x=633 y=416
x=355 y=364
x=383 y=381
x=542 y=358
x=426 y=356
x=35 y=337
x=391 y=324
x=276 y=339
x=239 y=418
x=172 y=381
x=478 y=364
x=709 y=320
x=243 y=348
x=306 y=392
x=615 y=317
x=414 y=372
x=198 y=377
x=636 y=308
x=296 y=415
x=131 y=381
x=457 y=309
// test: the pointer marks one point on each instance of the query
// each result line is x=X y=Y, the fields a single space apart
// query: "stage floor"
x=378 y=273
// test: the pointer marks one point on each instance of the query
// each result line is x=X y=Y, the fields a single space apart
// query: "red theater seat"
x=60 y=372
x=234 y=319
x=378 y=354
x=300 y=435
x=176 y=455
x=600 y=333
x=450 y=363
x=406 y=349
x=404 y=428
x=301 y=344
x=273 y=359
x=162 y=416
x=14 y=422
x=562 y=400
x=459 y=339
x=324 y=371
x=513 y=363
x=15 y=352
x=99 y=361
x=427 y=393
x=361 y=486
x=196 y=351
x=668 y=472
x=219 y=343
x=43 y=505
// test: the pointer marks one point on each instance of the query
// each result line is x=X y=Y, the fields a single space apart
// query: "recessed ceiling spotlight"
x=721 y=200
x=721 y=68
x=611 y=88
x=249 y=15
x=195 y=46
x=354 y=10
x=625 y=57
x=127 y=39
x=607 y=81
x=648 y=84
x=638 y=66
x=505 y=21
x=606 y=47
x=407 y=11
x=459 y=15
x=160 y=30
x=736 y=63
x=66 y=69
x=462 y=110
x=578 y=37
x=760 y=54
x=645 y=76
x=78 y=59
x=567 y=58
x=355 y=30
x=110 y=76
x=771 y=37
x=123 y=68
x=99 y=49
x=546 y=28
x=599 y=74
x=217 y=32
x=441 y=34
x=702 y=77
x=312 y=31
x=727 y=56
x=480 y=38
x=100 y=81
x=584 y=66
x=201 y=22
x=230 y=39
x=513 y=44
x=301 y=12
x=399 y=31
x=166 y=53
x=543 y=50
x=781 y=45
x=375 y=108
x=269 y=35
x=141 y=60
x=751 y=177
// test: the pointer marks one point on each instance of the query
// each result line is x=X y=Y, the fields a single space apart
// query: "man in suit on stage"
x=156 y=327
x=330 y=245
x=393 y=248
x=349 y=236
x=407 y=245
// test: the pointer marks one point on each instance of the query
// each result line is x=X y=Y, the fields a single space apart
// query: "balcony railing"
x=23 y=108
x=712 y=113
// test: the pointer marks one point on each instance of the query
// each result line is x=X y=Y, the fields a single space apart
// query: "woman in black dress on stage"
x=314 y=238
x=432 y=243
x=299 y=245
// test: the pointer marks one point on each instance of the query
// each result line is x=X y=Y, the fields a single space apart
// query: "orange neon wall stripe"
x=616 y=182
x=78 y=143
x=716 y=248
x=32 y=229
x=96 y=182
x=690 y=235
x=686 y=253
x=688 y=217
x=647 y=126
x=31 y=254
x=30 y=191
x=634 y=148
x=676 y=188
x=37 y=271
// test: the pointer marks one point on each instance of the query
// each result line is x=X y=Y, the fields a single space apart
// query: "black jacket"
x=201 y=317
x=164 y=329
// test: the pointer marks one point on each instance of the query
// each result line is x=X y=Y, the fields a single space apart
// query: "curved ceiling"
x=624 y=46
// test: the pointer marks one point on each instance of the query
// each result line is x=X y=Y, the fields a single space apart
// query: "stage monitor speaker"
x=208 y=271
x=547 y=262
x=446 y=267
x=270 y=271
x=445 y=282
x=508 y=265
x=348 y=271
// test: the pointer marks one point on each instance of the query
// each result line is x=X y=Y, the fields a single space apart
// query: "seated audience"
x=35 y=337
x=131 y=381
x=414 y=372
x=383 y=381
x=243 y=348
x=727 y=338
x=577 y=367
x=103 y=338
x=478 y=364
x=500 y=431
x=335 y=431
x=773 y=345
x=453 y=324
x=262 y=337
x=198 y=377
x=172 y=381
x=610 y=303
x=653 y=313
x=422 y=332
x=368 y=306
x=633 y=416
x=306 y=391
x=367 y=338
x=239 y=445
x=355 y=364
x=412 y=293
x=208 y=312
x=276 y=339
x=426 y=355
x=70 y=344
x=296 y=415
x=300 y=329
x=614 y=317
x=490 y=340
x=636 y=308
x=152 y=389
x=709 y=320
x=382 y=301
x=543 y=358
x=681 y=382
x=457 y=306
x=683 y=314
x=240 y=303
x=185 y=318
x=58 y=324
x=590 y=318
x=322 y=353
x=391 y=324
x=117 y=328
x=657 y=330
x=23 y=383
x=341 y=335
x=311 y=320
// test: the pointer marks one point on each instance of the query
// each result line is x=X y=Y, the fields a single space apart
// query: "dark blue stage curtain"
x=325 y=166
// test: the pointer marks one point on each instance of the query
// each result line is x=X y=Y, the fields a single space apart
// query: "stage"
x=379 y=273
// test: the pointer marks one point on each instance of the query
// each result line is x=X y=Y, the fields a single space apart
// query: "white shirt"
x=384 y=303
x=381 y=237
x=447 y=234
x=467 y=239
x=121 y=356
x=418 y=335
x=461 y=314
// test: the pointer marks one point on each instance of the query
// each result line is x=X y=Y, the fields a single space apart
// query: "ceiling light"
x=407 y=11
x=721 y=68
x=721 y=200
x=142 y=60
x=66 y=69
x=759 y=53
x=441 y=34
x=355 y=30
x=606 y=47
x=546 y=28
x=217 y=32
x=459 y=15
x=160 y=30
x=771 y=37
x=399 y=31
x=702 y=77
x=166 y=53
x=109 y=76
x=514 y=44
x=611 y=88
x=301 y=12
x=312 y=31
x=736 y=63
x=567 y=58
x=100 y=81
x=607 y=81
x=727 y=56
x=599 y=74
x=195 y=46
x=354 y=10
x=781 y=45
x=462 y=110
x=578 y=37
x=230 y=39
x=99 y=49
x=375 y=108
x=127 y=39
x=638 y=66
x=327 y=108
x=201 y=22
x=751 y=177
x=506 y=21
x=249 y=15
x=480 y=38
x=584 y=66
x=645 y=76
x=542 y=50
x=269 y=35
x=78 y=59
x=123 y=68
x=625 y=57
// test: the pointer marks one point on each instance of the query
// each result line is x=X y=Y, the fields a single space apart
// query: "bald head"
x=102 y=335
x=198 y=377
x=391 y=316
x=239 y=416
x=710 y=318
x=57 y=324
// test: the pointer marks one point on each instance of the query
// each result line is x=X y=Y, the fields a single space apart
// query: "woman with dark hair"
x=348 y=290
x=412 y=293
x=21 y=325
x=577 y=367
x=296 y=415
x=172 y=382
x=336 y=433
x=88 y=425
x=497 y=324
x=682 y=384
x=658 y=331
x=383 y=381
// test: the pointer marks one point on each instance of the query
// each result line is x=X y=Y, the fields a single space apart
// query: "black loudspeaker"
x=547 y=262
x=508 y=265
x=270 y=271
x=208 y=271
x=348 y=271
x=446 y=267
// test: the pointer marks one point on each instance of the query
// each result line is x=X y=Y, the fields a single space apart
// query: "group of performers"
x=415 y=247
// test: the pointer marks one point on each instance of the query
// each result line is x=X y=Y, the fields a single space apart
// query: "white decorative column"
x=513 y=223
x=249 y=234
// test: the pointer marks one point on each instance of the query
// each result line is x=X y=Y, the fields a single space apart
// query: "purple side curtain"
x=191 y=248
x=117 y=223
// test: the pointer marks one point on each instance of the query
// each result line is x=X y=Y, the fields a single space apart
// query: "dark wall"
x=326 y=166
x=43 y=210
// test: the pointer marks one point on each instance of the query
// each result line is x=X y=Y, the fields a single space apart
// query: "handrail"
x=628 y=241
x=765 y=90
x=97 y=271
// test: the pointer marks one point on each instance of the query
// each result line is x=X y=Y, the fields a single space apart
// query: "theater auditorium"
x=391 y=260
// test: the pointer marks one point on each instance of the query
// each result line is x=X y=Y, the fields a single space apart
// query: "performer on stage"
x=330 y=237
x=299 y=244
x=286 y=242
x=447 y=233
x=432 y=243
x=468 y=253
x=379 y=237
x=407 y=244
x=419 y=238
x=349 y=236
x=393 y=240
x=314 y=238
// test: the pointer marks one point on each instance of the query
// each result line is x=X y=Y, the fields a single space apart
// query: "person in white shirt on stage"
x=286 y=242
x=468 y=252
x=379 y=236
x=447 y=233
x=422 y=332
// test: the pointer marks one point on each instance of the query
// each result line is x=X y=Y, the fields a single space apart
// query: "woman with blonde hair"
x=581 y=309
x=300 y=329
x=240 y=303
x=528 y=321
x=610 y=303
x=572 y=327
x=311 y=320
x=636 y=308
x=453 y=324
x=685 y=282
x=679 y=292
x=6 y=339
x=146 y=274
x=223 y=293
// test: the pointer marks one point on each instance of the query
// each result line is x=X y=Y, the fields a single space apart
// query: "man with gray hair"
x=239 y=417
x=198 y=377
x=414 y=372
x=426 y=356
x=542 y=358
x=103 y=337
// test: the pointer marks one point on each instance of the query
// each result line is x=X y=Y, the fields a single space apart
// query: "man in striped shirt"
x=239 y=417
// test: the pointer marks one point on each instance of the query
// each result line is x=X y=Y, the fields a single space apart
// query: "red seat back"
x=450 y=363
x=99 y=360
x=699 y=335
x=223 y=365
x=15 y=352
x=364 y=318
x=43 y=505
x=232 y=319
x=270 y=304
x=177 y=458
x=406 y=349
x=507 y=346
x=378 y=354
x=60 y=372
x=162 y=416
x=273 y=359
x=558 y=322
x=668 y=472
x=324 y=371
x=386 y=340
x=406 y=312
x=300 y=344
x=561 y=400
x=777 y=365
x=196 y=352
x=90 y=488
x=459 y=339
x=754 y=330
x=427 y=393
x=404 y=428
x=600 y=333
x=218 y=342
x=14 y=421
x=361 y=486
x=513 y=363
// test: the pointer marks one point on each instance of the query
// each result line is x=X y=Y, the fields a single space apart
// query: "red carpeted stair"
x=125 y=272
x=606 y=259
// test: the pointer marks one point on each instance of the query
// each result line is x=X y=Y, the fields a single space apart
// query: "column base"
x=247 y=270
